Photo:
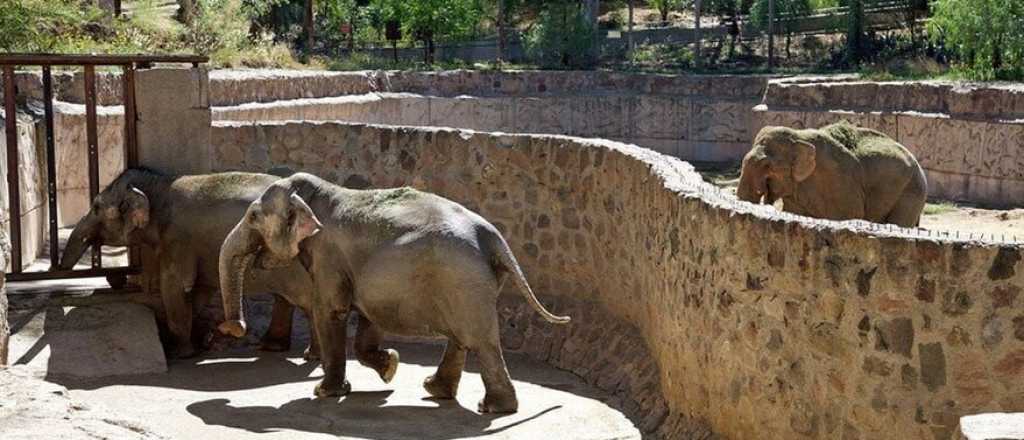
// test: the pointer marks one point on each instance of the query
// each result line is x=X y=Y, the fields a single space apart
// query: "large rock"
x=91 y=341
x=31 y=408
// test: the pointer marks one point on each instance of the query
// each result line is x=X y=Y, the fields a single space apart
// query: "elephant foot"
x=324 y=389
x=311 y=354
x=439 y=388
x=389 y=371
x=269 y=343
x=498 y=404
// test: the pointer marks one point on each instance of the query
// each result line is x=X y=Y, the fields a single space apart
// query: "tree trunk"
x=502 y=37
x=698 y=59
x=664 y=15
x=593 y=10
x=771 y=34
x=629 y=34
x=307 y=25
x=186 y=11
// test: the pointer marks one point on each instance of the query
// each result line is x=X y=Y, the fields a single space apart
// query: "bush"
x=561 y=37
x=47 y=25
x=986 y=35
x=219 y=26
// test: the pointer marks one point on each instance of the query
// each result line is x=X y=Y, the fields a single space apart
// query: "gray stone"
x=933 y=365
x=32 y=409
x=91 y=341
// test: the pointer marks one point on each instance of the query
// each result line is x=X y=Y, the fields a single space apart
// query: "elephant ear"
x=136 y=208
x=304 y=223
x=803 y=162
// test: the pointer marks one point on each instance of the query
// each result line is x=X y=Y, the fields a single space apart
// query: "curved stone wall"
x=700 y=311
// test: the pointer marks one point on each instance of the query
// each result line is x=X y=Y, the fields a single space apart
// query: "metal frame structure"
x=128 y=64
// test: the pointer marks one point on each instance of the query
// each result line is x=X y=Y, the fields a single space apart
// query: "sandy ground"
x=947 y=218
x=270 y=395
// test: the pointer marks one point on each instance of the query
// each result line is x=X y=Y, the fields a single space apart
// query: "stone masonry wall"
x=969 y=138
x=699 y=311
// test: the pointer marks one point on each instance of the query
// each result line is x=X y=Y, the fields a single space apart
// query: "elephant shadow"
x=219 y=372
x=357 y=415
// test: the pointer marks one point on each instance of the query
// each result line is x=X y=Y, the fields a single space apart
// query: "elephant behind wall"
x=837 y=172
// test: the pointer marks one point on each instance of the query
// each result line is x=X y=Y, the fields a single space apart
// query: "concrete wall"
x=692 y=117
x=701 y=312
x=969 y=138
x=32 y=191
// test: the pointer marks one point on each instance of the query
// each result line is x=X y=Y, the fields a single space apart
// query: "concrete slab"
x=91 y=341
x=245 y=394
x=31 y=408
x=993 y=426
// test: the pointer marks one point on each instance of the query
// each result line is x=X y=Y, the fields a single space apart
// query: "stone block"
x=722 y=122
x=543 y=115
x=943 y=144
x=600 y=116
x=660 y=117
x=174 y=113
x=91 y=341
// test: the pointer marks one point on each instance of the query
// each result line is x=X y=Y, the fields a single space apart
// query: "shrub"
x=986 y=35
x=561 y=37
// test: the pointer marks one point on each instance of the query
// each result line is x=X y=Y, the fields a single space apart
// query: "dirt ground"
x=954 y=219
x=246 y=394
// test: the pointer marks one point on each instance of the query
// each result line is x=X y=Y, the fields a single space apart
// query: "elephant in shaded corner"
x=837 y=172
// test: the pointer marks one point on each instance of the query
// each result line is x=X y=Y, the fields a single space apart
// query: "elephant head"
x=780 y=159
x=268 y=236
x=115 y=214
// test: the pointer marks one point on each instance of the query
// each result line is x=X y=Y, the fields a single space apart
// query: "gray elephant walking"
x=409 y=262
x=183 y=220
x=837 y=172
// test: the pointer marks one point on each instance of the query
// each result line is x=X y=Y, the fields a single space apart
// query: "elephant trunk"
x=236 y=257
x=751 y=187
x=82 y=237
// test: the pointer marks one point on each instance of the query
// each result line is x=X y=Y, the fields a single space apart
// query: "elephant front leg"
x=179 y=314
x=329 y=326
x=369 y=353
x=279 y=335
x=445 y=382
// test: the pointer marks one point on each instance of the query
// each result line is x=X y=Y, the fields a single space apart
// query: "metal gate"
x=88 y=63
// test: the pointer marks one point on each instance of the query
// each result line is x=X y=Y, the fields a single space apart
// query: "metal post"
x=93 y=143
x=131 y=137
x=629 y=34
x=13 y=184
x=51 y=167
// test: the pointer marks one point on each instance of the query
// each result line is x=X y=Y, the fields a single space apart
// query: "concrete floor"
x=243 y=394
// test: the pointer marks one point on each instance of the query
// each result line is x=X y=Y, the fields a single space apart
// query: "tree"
x=986 y=34
x=430 y=20
x=855 y=38
x=786 y=14
x=563 y=36
x=664 y=7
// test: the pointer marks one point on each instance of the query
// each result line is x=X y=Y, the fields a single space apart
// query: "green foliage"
x=785 y=12
x=46 y=25
x=665 y=6
x=987 y=35
x=219 y=25
x=663 y=56
x=562 y=37
x=449 y=20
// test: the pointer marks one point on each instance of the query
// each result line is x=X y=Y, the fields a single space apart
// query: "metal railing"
x=88 y=63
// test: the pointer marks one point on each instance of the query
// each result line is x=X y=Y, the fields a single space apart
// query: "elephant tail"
x=507 y=263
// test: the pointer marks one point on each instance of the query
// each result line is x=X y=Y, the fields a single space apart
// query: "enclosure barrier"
x=128 y=64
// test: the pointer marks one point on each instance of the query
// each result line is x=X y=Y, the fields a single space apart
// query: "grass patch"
x=939 y=208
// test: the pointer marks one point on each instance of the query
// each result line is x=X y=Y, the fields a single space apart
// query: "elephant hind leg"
x=369 y=353
x=907 y=212
x=279 y=335
x=445 y=382
x=499 y=395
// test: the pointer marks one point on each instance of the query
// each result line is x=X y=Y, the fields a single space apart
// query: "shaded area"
x=238 y=393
